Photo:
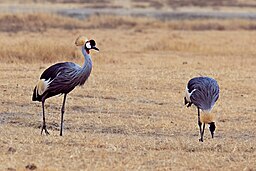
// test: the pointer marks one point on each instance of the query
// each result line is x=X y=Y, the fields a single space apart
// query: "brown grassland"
x=130 y=114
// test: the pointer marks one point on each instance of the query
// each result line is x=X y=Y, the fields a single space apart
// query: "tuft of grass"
x=35 y=48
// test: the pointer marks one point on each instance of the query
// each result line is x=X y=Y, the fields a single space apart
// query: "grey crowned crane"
x=62 y=78
x=203 y=92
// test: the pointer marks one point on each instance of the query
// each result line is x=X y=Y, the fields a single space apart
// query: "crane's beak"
x=95 y=48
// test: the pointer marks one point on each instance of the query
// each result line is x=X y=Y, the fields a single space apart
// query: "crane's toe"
x=201 y=140
x=45 y=130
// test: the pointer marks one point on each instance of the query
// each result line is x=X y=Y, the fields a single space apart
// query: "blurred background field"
x=130 y=113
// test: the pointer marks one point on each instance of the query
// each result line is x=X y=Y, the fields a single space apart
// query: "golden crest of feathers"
x=80 y=41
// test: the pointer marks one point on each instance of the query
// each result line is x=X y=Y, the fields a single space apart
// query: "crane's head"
x=212 y=128
x=86 y=44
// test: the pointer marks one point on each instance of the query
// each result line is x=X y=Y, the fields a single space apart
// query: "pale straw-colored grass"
x=129 y=115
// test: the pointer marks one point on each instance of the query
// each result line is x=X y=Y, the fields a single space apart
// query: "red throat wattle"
x=87 y=51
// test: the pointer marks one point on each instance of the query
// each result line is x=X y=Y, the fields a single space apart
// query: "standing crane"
x=62 y=78
x=203 y=92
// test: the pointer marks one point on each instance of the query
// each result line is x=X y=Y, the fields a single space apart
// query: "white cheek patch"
x=88 y=45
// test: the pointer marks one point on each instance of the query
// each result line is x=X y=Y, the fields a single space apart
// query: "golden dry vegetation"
x=130 y=113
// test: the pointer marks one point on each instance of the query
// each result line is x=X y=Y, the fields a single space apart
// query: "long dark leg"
x=199 y=124
x=62 y=114
x=44 y=125
x=202 y=134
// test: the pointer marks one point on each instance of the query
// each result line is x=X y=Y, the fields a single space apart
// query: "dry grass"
x=43 y=48
x=130 y=113
x=22 y=32
x=114 y=22
x=41 y=22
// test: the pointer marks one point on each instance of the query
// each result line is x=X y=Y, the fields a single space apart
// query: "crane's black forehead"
x=92 y=42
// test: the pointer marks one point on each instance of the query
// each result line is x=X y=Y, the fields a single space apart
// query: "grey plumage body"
x=203 y=92
x=62 y=78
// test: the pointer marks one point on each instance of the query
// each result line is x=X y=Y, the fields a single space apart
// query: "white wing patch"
x=42 y=86
x=187 y=94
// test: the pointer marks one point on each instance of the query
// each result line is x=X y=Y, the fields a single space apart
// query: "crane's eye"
x=88 y=45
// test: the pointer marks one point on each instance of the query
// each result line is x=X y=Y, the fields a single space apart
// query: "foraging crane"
x=62 y=78
x=203 y=92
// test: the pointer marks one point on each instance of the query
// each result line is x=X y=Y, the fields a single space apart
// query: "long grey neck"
x=87 y=60
x=87 y=57
x=85 y=71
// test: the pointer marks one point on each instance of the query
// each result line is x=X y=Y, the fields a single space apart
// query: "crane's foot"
x=45 y=130
x=201 y=140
